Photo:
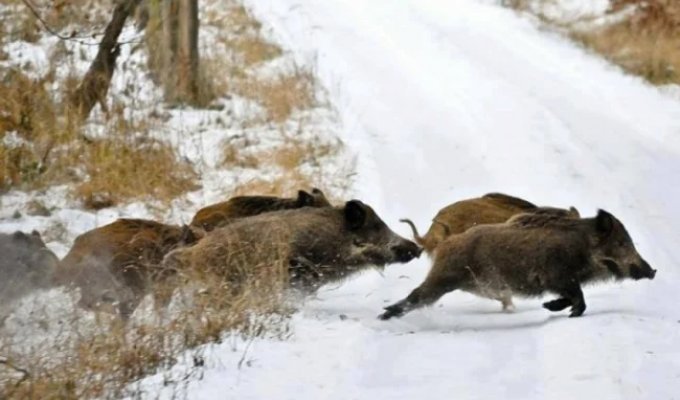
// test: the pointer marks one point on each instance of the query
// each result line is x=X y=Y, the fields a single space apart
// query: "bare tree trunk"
x=95 y=84
x=187 y=51
x=180 y=58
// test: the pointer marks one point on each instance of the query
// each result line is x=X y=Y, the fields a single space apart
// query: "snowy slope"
x=444 y=100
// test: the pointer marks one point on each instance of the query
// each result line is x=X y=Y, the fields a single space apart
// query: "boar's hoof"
x=557 y=304
x=577 y=311
x=391 y=311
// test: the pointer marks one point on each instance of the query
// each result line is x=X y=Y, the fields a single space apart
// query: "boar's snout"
x=643 y=270
x=406 y=251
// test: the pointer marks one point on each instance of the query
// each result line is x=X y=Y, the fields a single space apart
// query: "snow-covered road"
x=444 y=100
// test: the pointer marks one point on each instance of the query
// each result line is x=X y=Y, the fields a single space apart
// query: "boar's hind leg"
x=508 y=305
x=425 y=294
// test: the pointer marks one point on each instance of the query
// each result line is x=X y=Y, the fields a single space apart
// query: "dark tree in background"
x=172 y=36
x=95 y=83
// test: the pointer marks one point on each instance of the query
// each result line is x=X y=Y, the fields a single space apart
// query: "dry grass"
x=296 y=164
x=281 y=95
x=244 y=41
x=654 y=56
x=106 y=362
x=70 y=17
x=41 y=145
x=121 y=169
x=645 y=42
x=254 y=50
x=29 y=128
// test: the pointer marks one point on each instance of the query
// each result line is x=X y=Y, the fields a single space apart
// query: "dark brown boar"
x=26 y=264
x=220 y=214
x=492 y=208
x=529 y=255
x=304 y=248
x=114 y=265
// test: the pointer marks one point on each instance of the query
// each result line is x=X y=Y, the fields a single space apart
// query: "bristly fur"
x=492 y=208
x=531 y=254
x=515 y=202
x=309 y=247
x=221 y=214
x=119 y=260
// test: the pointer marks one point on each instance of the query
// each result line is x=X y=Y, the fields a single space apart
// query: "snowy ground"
x=445 y=100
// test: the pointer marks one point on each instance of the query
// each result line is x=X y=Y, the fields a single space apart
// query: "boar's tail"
x=416 y=235
x=511 y=200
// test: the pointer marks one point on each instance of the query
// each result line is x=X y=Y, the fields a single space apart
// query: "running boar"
x=220 y=214
x=304 y=248
x=25 y=264
x=492 y=208
x=529 y=255
x=115 y=264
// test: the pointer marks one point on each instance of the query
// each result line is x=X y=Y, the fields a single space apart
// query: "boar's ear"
x=19 y=235
x=604 y=222
x=187 y=236
x=573 y=212
x=304 y=199
x=317 y=191
x=355 y=214
x=37 y=238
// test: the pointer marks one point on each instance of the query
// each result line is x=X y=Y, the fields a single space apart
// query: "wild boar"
x=114 y=265
x=492 y=208
x=528 y=256
x=26 y=264
x=220 y=214
x=304 y=248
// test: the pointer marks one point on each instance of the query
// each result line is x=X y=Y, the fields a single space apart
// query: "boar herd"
x=495 y=246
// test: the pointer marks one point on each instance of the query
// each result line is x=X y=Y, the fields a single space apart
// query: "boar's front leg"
x=427 y=293
x=569 y=296
x=557 y=304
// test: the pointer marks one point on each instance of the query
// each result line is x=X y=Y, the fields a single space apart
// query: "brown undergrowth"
x=105 y=360
x=640 y=36
x=645 y=43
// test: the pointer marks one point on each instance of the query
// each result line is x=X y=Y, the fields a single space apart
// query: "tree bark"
x=95 y=83
x=187 y=51
x=180 y=58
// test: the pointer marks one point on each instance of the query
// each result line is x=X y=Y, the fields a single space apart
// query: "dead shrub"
x=644 y=39
x=287 y=183
x=281 y=95
x=28 y=128
x=132 y=168
x=253 y=50
x=234 y=156
x=105 y=363
x=650 y=15
x=653 y=54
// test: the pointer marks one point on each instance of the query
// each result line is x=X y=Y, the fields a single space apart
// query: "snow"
x=439 y=101
x=446 y=100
